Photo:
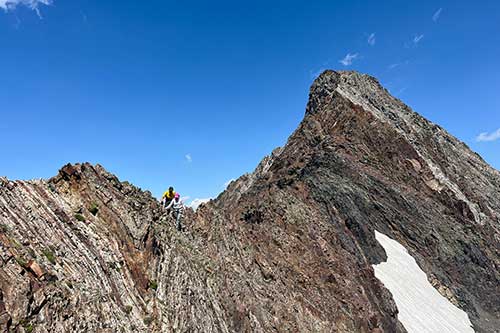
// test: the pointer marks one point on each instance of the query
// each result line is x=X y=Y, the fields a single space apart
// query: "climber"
x=168 y=196
x=178 y=208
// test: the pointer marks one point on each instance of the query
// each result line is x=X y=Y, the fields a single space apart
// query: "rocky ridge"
x=289 y=247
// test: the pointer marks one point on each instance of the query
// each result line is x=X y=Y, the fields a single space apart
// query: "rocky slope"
x=287 y=248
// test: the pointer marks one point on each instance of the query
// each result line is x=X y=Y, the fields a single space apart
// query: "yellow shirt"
x=169 y=195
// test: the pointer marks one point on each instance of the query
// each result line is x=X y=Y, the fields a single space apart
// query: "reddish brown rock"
x=35 y=268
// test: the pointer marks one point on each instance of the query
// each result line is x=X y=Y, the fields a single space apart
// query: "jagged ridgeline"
x=287 y=248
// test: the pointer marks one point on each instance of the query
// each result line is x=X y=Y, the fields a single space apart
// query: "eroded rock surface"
x=287 y=248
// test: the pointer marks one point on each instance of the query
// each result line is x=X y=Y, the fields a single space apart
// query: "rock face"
x=287 y=248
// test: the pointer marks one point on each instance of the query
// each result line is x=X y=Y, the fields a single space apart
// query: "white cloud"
x=437 y=14
x=188 y=157
x=485 y=137
x=197 y=202
x=33 y=4
x=392 y=66
x=371 y=39
x=417 y=38
x=348 y=59
x=226 y=184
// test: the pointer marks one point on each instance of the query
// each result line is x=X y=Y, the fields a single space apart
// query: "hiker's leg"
x=179 y=221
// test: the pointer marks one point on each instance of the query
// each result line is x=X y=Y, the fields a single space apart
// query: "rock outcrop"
x=287 y=248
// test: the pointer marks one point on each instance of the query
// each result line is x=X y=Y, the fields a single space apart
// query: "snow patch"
x=421 y=307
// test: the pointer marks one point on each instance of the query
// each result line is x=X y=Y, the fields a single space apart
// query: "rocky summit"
x=287 y=248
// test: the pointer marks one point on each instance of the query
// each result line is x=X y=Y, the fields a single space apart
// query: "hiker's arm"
x=170 y=204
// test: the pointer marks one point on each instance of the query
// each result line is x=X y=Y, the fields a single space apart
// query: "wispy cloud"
x=33 y=4
x=313 y=73
x=371 y=39
x=392 y=66
x=485 y=136
x=226 y=184
x=188 y=157
x=398 y=64
x=197 y=202
x=417 y=39
x=437 y=14
x=348 y=59
x=400 y=91
x=414 y=41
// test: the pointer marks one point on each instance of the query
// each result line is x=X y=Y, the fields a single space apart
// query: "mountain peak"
x=361 y=89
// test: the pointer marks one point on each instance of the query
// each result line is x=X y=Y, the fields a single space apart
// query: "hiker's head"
x=177 y=196
x=170 y=189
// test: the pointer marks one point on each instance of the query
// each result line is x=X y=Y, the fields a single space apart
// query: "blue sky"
x=196 y=93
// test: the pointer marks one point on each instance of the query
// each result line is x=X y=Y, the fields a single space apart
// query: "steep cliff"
x=289 y=247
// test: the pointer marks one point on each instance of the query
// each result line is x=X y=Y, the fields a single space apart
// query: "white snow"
x=421 y=307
